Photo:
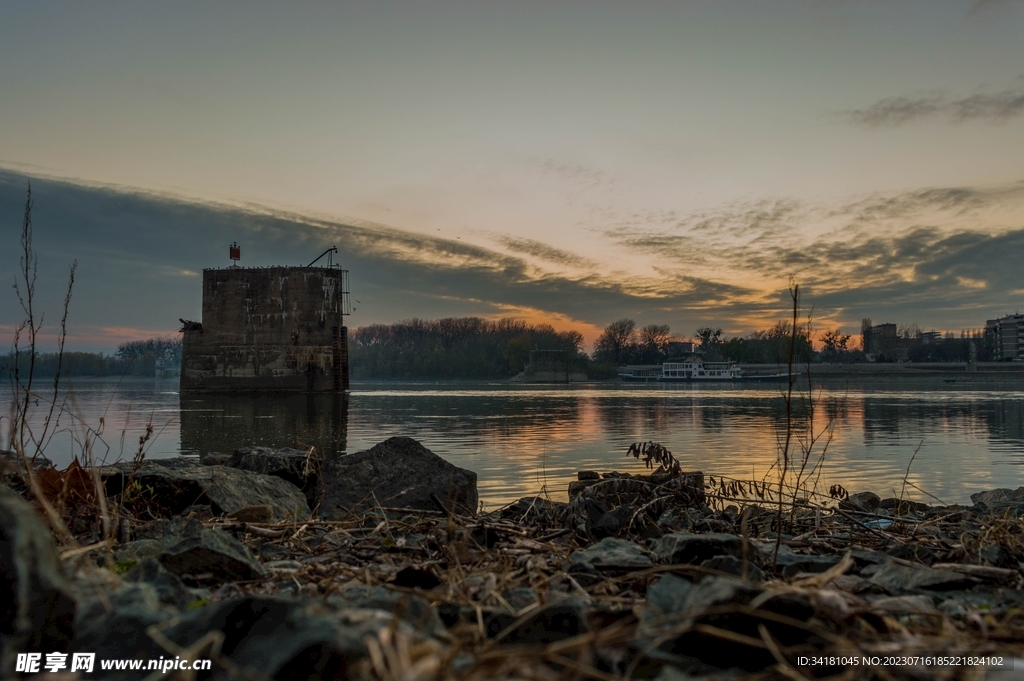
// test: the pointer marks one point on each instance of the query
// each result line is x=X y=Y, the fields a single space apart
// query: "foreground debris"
x=668 y=576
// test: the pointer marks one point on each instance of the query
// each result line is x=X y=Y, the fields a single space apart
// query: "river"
x=524 y=439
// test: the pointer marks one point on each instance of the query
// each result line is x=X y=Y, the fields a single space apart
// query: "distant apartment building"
x=882 y=341
x=1005 y=336
x=680 y=348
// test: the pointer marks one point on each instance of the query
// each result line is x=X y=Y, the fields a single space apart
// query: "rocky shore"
x=377 y=565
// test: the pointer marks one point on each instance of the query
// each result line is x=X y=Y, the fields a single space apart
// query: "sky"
x=570 y=163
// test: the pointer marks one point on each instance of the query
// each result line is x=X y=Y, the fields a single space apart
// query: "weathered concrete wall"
x=274 y=328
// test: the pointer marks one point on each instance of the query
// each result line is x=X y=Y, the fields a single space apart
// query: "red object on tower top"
x=235 y=253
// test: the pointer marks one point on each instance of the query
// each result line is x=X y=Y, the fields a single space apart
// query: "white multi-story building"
x=1006 y=335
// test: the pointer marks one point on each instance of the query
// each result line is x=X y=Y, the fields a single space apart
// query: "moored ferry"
x=695 y=369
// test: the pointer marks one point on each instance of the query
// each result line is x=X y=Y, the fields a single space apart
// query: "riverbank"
x=907 y=375
x=666 y=576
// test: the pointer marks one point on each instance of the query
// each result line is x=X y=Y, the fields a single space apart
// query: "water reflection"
x=1002 y=420
x=222 y=423
x=520 y=438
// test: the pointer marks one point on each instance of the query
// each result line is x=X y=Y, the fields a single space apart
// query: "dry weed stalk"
x=27 y=444
x=77 y=492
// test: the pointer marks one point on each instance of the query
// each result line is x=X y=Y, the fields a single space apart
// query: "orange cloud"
x=559 y=321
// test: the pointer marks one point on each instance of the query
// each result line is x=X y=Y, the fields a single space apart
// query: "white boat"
x=694 y=368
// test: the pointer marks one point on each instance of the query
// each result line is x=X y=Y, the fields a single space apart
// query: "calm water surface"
x=520 y=439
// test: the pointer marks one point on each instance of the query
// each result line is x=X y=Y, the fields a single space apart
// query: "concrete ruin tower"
x=269 y=329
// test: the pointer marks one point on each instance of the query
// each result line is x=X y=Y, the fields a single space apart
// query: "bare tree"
x=708 y=336
x=654 y=340
x=617 y=342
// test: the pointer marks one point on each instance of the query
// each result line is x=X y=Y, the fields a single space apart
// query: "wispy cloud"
x=947 y=254
x=134 y=248
x=943 y=252
x=996 y=107
x=543 y=251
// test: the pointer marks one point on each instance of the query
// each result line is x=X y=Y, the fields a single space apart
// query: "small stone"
x=851 y=584
x=415 y=610
x=899 y=579
x=613 y=554
x=898 y=507
x=212 y=552
x=686 y=548
x=731 y=565
x=866 y=502
x=790 y=563
x=556 y=621
x=613 y=523
x=520 y=598
x=261 y=513
x=138 y=550
x=905 y=605
x=917 y=553
x=169 y=587
x=533 y=509
x=666 y=596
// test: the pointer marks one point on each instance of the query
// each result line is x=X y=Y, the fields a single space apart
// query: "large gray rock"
x=713 y=601
x=998 y=495
x=287 y=639
x=263 y=637
x=114 y=624
x=37 y=604
x=1000 y=501
x=293 y=465
x=397 y=473
x=180 y=482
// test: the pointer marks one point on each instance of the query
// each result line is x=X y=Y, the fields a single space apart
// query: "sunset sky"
x=571 y=162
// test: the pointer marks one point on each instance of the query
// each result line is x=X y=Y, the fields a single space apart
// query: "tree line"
x=453 y=348
x=134 y=358
x=622 y=342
